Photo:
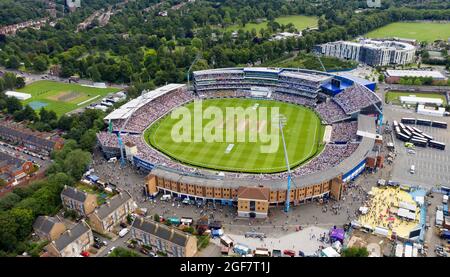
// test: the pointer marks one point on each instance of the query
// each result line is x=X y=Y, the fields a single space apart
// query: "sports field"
x=303 y=133
x=62 y=97
x=394 y=96
x=300 y=22
x=421 y=31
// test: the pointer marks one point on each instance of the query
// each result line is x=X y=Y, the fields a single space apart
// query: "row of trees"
x=141 y=48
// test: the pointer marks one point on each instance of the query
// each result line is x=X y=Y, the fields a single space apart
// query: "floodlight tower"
x=282 y=122
x=197 y=57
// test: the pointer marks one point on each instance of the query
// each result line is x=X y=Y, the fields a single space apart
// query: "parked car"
x=290 y=253
x=111 y=250
x=97 y=245
x=145 y=251
x=123 y=225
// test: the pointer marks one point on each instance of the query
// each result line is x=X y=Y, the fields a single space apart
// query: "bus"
x=409 y=128
x=428 y=137
x=415 y=134
x=439 y=124
x=424 y=122
x=403 y=137
x=419 y=142
x=262 y=252
x=408 y=133
x=397 y=130
x=402 y=126
x=417 y=130
x=437 y=145
x=409 y=120
x=395 y=123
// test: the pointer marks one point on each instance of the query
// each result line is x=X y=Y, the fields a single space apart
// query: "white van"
x=166 y=197
x=123 y=232
x=412 y=169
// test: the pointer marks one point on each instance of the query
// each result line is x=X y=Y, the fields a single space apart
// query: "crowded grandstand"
x=343 y=110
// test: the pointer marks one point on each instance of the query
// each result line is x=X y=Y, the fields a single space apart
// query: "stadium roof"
x=126 y=110
x=306 y=76
x=263 y=69
x=415 y=73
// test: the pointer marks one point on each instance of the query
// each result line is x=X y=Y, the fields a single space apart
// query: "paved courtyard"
x=306 y=240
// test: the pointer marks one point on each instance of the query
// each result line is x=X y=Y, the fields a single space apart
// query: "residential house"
x=112 y=213
x=72 y=242
x=48 y=228
x=13 y=169
x=163 y=238
x=82 y=202
x=33 y=140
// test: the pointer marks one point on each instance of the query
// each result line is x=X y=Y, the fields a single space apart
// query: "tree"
x=123 y=252
x=88 y=140
x=47 y=116
x=156 y=218
x=24 y=219
x=13 y=62
x=76 y=163
x=355 y=252
x=8 y=229
x=20 y=82
x=40 y=63
x=13 y=104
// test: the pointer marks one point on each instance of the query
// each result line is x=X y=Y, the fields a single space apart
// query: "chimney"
x=108 y=203
x=69 y=232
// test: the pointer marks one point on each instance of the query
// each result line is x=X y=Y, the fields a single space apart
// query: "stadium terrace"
x=343 y=104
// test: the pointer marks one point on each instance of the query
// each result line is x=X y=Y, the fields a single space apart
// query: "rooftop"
x=112 y=204
x=415 y=73
x=45 y=223
x=74 y=193
x=254 y=193
x=162 y=231
x=126 y=110
x=71 y=235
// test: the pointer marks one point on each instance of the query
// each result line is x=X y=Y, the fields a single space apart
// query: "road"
x=119 y=242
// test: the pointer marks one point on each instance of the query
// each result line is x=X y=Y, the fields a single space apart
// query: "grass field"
x=421 y=31
x=394 y=96
x=300 y=22
x=303 y=133
x=62 y=97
